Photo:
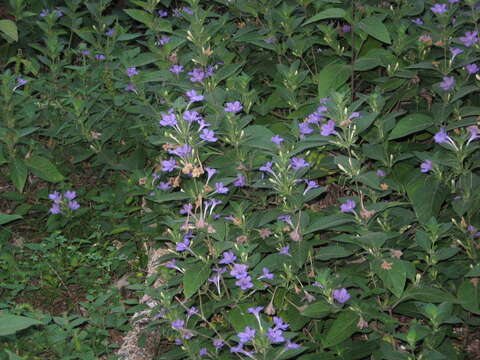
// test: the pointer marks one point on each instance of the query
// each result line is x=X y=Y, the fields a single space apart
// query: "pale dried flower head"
x=386 y=265
x=242 y=239
x=397 y=254
x=197 y=172
x=265 y=233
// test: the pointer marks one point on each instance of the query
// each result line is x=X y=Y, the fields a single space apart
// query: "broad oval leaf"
x=194 y=277
x=10 y=324
x=342 y=328
x=374 y=27
x=411 y=124
x=326 y=14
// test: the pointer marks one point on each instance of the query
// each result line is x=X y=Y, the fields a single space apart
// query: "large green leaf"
x=194 y=277
x=160 y=198
x=394 y=279
x=410 y=124
x=317 y=310
x=468 y=296
x=331 y=13
x=328 y=222
x=18 y=173
x=44 y=169
x=9 y=30
x=342 y=328
x=331 y=77
x=10 y=324
x=141 y=16
x=427 y=195
x=4 y=218
x=374 y=27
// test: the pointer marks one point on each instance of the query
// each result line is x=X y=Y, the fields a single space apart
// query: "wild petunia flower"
x=192 y=311
x=346 y=28
x=218 y=343
x=181 y=151
x=20 y=82
x=474 y=133
x=183 y=245
x=240 y=181
x=169 y=165
x=267 y=167
x=234 y=107
x=56 y=197
x=210 y=173
x=472 y=69
x=228 y=258
x=328 y=128
x=73 y=205
x=470 y=38
x=341 y=295
x=246 y=335
x=298 y=163
x=291 y=346
x=191 y=116
x=417 y=21
x=448 y=83
x=311 y=184
x=193 y=96
x=348 y=206
x=455 y=52
x=55 y=209
x=277 y=139
x=131 y=71
x=239 y=271
x=426 y=166
x=163 y=40
x=220 y=188
x=266 y=274
x=130 y=87
x=162 y=13
x=208 y=135
x=381 y=173
x=244 y=283
x=110 y=32
x=275 y=335
x=196 y=75
x=168 y=119
x=304 y=129
x=285 y=250
x=441 y=137
x=178 y=324
x=203 y=352
x=100 y=57
x=176 y=69
x=255 y=311
x=178 y=342
x=186 y=209
x=439 y=8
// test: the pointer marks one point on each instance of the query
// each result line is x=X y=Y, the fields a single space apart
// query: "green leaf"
x=9 y=29
x=411 y=124
x=170 y=197
x=393 y=279
x=317 y=310
x=374 y=27
x=194 y=277
x=10 y=324
x=18 y=173
x=331 y=13
x=331 y=77
x=332 y=252
x=474 y=272
x=427 y=196
x=468 y=296
x=342 y=328
x=4 y=218
x=141 y=16
x=227 y=71
x=428 y=295
x=44 y=169
x=328 y=222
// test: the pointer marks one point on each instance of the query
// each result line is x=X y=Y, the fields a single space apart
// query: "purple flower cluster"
x=199 y=74
x=239 y=272
x=63 y=202
x=341 y=295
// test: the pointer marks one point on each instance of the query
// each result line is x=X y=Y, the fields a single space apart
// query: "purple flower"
x=191 y=116
x=417 y=21
x=455 y=52
x=474 y=133
x=448 y=83
x=441 y=137
x=266 y=274
x=203 y=352
x=192 y=311
x=21 y=82
x=131 y=71
x=130 y=87
x=183 y=245
x=354 y=115
x=348 y=206
x=100 y=57
x=181 y=151
x=472 y=69
x=304 y=129
x=279 y=324
x=291 y=346
x=58 y=12
x=346 y=28
x=244 y=283
x=341 y=295
x=275 y=335
x=233 y=107
x=85 y=52
x=208 y=135
x=187 y=10
x=56 y=197
x=202 y=124
x=168 y=119
x=164 y=40
x=218 y=343
x=240 y=181
x=270 y=40
x=220 y=188
x=162 y=13
x=164 y=185
x=55 y=209
x=298 y=163
x=285 y=250
x=194 y=97
x=169 y=165
x=110 y=32
x=255 y=311
x=176 y=69
x=470 y=38
x=267 y=167
x=311 y=184
x=73 y=205
x=426 y=166
x=228 y=258
x=328 y=128
x=210 y=173
x=187 y=334
x=286 y=218
x=178 y=341
x=247 y=335
x=277 y=140
x=439 y=8
x=239 y=271
x=178 y=324
x=186 y=209
x=381 y=173
x=197 y=75
x=44 y=12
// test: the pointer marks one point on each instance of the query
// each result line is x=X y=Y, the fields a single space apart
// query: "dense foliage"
x=311 y=169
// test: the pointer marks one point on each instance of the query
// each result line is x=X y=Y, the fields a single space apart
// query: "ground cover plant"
x=310 y=169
